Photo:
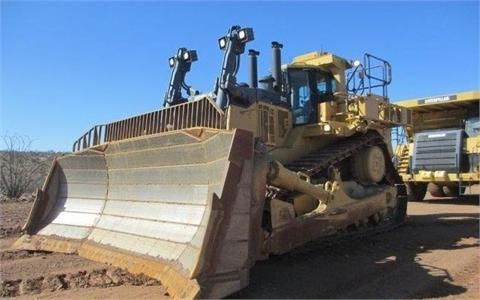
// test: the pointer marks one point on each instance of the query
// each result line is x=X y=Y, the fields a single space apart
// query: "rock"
x=54 y=283
x=9 y=288
x=115 y=276
x=142 y=279
x=26 y=197
x=128 y=278
x=77 y=280
x=151 y=282
x=99 y=278
x=31 y=286
x=138 y=279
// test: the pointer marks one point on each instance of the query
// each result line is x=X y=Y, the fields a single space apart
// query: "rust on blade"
x=44 y=243
x=177 y=284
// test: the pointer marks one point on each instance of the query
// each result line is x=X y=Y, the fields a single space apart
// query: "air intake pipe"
x=277 y=65
x=253 y=78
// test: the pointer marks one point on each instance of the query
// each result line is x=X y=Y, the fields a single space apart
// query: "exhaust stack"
x=277 y=65
x=253 y=79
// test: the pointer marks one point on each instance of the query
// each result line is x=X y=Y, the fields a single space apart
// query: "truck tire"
x=450 y=191
x=435 y=190
x=416 y=191
x=401 y=211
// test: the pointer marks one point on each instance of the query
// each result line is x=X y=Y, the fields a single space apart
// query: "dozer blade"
x=175 y=206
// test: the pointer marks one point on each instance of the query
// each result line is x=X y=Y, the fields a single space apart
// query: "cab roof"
x=320 y=59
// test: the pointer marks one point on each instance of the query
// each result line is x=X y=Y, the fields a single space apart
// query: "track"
x=319 y=161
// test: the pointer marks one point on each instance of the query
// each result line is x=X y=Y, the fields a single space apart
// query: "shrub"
x=18 y=166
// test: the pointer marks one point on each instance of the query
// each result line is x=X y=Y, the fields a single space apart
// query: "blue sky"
x=66 y=66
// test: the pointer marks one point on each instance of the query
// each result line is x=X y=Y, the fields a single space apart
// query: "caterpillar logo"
x=437 y=99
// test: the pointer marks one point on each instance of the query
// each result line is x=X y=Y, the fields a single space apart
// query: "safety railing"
x=199 y=113
x=95 y=136
x=372 y=74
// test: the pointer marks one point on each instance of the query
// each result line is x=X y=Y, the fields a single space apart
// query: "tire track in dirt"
x=98 y=278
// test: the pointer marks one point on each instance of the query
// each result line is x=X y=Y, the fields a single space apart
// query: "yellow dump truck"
x=442 y=148
x=194 y=193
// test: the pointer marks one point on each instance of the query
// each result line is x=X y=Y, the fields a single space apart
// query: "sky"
x=67 y=66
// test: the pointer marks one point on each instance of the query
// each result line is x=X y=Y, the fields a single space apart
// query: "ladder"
x=404 y=161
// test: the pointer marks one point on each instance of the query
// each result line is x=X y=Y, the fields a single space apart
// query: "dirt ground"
x=435 y=254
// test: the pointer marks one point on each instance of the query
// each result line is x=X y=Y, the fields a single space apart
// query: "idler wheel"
x=369 y=165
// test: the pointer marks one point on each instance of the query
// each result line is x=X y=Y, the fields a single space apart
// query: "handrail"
x=372 y=65
x=199 y=113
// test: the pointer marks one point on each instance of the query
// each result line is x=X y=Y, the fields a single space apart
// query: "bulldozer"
x=193 y=194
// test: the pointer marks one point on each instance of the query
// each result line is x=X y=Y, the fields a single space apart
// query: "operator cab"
x=311 y=79
x=307 y=87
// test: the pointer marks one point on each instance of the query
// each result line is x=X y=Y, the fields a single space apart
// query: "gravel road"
x=435 y=254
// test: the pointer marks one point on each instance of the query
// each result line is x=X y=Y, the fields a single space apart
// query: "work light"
x=222 y=42
x=245 y=35
x=241 y=34
x=171 y=61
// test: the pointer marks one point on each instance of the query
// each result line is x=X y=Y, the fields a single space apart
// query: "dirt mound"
x=99 y=278
x=13 y=215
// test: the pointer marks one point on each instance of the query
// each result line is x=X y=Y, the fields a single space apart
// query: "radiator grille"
x=437 y=150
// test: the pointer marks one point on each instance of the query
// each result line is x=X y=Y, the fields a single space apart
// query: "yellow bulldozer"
x=441 y=149
x=194 y=193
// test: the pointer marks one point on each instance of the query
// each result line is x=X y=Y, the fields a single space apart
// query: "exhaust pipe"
x=277 y=65
x=253 y=68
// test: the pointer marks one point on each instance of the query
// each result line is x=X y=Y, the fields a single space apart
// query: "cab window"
x=307 y=88
x=472 y=126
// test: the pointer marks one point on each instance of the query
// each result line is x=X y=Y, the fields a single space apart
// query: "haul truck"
x=442 y=148
x=194 y=193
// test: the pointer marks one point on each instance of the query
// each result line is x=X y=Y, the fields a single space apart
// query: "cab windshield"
x=472 y=126
x=307 y=88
